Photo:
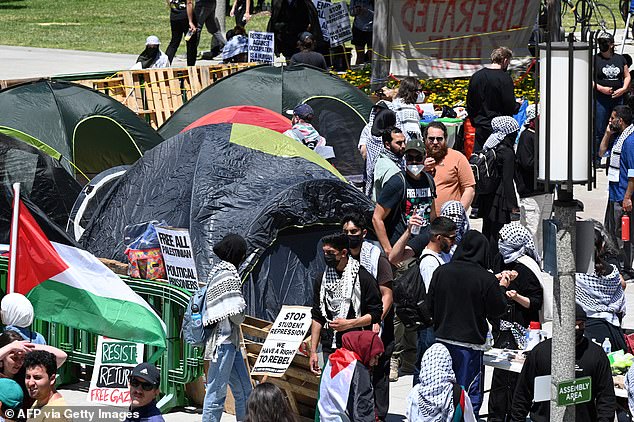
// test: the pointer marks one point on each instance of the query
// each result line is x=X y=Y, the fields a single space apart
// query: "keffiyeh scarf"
x=502 y=126
x=615 y=156
x=456 y=212
x=435 y=391
x=224 y=294
x=518 y=332
x=515 y=241
x=598 y=294
x=337 y=295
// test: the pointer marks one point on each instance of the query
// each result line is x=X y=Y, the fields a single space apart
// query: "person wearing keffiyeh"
x=225 y=312
x=601 y=296
x=621 y=167
x=390 y=161
x=438 y=397
x=524 y=300
x=346 y=298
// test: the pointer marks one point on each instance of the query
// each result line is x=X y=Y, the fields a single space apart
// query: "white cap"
x=152 y=40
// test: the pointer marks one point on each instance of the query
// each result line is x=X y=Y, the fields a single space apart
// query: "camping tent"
x=86 y=130
x=248 y=115
x=224 y=178
x=41 y=179
x=340 y=109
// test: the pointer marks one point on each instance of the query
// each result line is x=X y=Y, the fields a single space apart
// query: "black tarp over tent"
x=244 y=179
x=340 y=108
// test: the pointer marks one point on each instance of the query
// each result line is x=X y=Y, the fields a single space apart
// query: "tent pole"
x=13 y=248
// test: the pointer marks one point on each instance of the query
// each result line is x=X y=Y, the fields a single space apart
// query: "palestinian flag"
x=71 y=286
x=345 y=391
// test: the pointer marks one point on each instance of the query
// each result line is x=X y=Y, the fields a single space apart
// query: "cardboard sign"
x=338 y=23
x=280 y=346
x=114 y=362
x=261 y=47
x=321 y=6
x=574 y=392
x=178 y=257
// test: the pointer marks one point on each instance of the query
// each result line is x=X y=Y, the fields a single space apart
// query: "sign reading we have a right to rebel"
x=284 y=338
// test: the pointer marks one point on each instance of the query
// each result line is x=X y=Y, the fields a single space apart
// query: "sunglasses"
x=435 y=138
x=452 y=237
x=415 y=158
x=146 y=386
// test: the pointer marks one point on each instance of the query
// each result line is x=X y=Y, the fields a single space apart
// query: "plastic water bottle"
x=416 y=229
x=607 y=346
x=533 y=335
x=197 y=318
x=489 y=341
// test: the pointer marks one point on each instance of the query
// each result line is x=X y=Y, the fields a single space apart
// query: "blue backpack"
x=196 y=335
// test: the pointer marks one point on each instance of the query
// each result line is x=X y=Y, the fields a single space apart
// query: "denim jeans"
x=426 y=338
x=228 y=369
x=603 y=109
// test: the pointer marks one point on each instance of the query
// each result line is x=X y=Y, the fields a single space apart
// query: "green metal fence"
x=179 y=363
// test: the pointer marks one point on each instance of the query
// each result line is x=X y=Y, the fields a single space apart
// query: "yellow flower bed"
x=440 y=92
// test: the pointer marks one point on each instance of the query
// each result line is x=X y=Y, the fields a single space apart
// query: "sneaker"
x=393 y=370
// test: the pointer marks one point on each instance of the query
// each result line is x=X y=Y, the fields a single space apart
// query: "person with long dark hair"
x=268 y=404
x=404 y=105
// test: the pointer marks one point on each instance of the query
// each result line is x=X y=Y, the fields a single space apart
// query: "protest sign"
x=261 y=47
x=283 y=340
x=338 y=23
x=114 y=362
x=321 y=6
x=178 y=257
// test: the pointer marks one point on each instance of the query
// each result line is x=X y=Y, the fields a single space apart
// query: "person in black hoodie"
x=590 y=361
x=461 y=324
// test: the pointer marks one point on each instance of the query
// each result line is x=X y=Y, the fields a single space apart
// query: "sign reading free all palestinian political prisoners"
x=454 y=38
x=178 y=256
x=282 y=342
x=114 y=362
x=338 y=23
x=261 y=47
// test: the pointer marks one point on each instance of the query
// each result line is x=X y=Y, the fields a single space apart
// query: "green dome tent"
x=84 y=129
x=341 y=110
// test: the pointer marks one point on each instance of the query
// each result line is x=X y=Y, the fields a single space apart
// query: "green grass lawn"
x=94 y=25
x=568 y=18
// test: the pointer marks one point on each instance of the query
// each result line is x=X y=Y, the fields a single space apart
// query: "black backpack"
x=409 y=295
x=485 y=170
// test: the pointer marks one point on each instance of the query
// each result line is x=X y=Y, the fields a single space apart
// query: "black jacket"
x=491 y=94
x=497 y=206
x=463 y=294
x=525 y=165
x=591 y=361
x=370 y=304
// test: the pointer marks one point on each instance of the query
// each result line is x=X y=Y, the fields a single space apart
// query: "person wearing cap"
x=611 y=82
x=590 y=361
x=40 y=378
x=306 y=55
x=11 y=397
x=152 y=57
x=144 y=382
x=17 y=315
x=302 y=131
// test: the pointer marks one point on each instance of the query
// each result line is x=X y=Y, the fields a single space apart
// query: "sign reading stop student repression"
x=114 y=362
x=338 y=23
x=280 y=346
x=178 y=256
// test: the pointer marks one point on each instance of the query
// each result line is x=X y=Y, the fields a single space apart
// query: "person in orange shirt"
x=452 y=173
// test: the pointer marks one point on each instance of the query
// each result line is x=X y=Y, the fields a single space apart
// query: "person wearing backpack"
x=438 y=396
x=495 y=207
x=225 y=313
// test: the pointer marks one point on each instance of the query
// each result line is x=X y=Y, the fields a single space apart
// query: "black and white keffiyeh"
x=456 y=212
x=502 y=126
x=518 y=332
x=435 y=391
x=615 y=155
x=629 y=386
x=598 y=294
x=515 y=241
x=224 y=294
x=531 y=112
x=338 y=294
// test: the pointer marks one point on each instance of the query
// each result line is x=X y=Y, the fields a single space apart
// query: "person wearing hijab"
x=225 y=312
x=601 y=296
x=17 y=315
x=462 y=295
x=152 y=57
x=495 y=208
x=524 y=297
x=438 y=397
x=590 y=361
x=455 y=211
x=345 y=391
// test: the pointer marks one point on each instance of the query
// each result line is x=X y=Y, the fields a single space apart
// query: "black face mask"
x=331 y=261
x=604 y=46
x=578 y=335
x=355 y=240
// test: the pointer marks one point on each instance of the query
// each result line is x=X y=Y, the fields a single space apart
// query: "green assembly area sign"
x=574 y=392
